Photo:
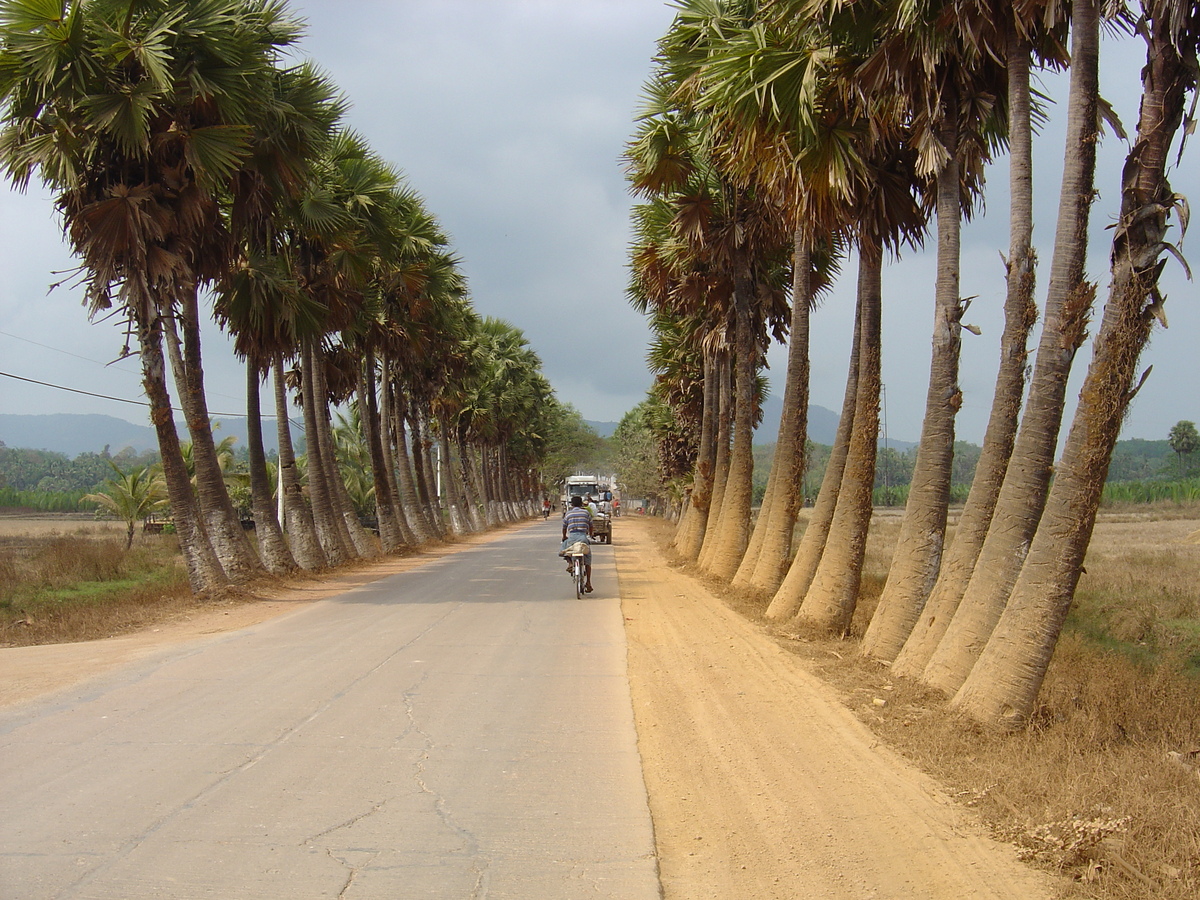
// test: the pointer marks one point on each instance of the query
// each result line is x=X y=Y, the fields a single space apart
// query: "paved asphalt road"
x=462 y=730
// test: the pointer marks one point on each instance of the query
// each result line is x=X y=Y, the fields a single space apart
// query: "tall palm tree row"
x=715 y=245
x=1068 y=305
x=137 y=122
x=1020 y=311
x=1003 y=684
x=192 y=163
x=858 y=121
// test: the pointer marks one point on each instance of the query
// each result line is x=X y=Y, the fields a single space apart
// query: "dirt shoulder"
x=762 y=784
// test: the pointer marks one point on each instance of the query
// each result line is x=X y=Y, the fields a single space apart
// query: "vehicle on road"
x=602 y=528
x=577 y=555
x=599 y=492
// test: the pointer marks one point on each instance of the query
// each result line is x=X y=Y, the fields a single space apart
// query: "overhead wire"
x=60 y=387
x=107 y=365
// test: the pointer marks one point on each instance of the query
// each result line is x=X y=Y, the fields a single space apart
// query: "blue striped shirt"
x=577 y=519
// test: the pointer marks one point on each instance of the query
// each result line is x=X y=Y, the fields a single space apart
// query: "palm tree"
x=888 y=216
x=793 y=588
x=510 y=396
x=1184 y=441
x=273 y=548
x=947 y=83
x=682 y=420
x=1020 y=313
x=132 y=496
x=1003 y=685
x=667 y=285
x=260 y=301
x=791 y=115
x=738 y=238
x=304 y=540
x=334 y=230
x=221 y=520
x=767 y=87
x=137 y=115
x=1068 y=304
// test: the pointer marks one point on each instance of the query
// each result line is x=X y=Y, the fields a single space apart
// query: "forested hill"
x=75 y=434
x=67 y=452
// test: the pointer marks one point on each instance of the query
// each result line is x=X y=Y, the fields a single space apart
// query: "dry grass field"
x=66 y=579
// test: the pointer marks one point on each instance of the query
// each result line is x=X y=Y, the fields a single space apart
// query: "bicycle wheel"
x=579 y=577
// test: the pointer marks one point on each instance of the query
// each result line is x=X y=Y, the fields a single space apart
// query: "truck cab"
x=592 y=487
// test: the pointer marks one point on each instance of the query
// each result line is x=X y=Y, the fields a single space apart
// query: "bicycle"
x=577 y=555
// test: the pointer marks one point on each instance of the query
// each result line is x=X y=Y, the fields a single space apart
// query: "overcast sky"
x=509 y=117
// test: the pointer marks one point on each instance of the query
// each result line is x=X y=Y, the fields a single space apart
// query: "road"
x=461 y=730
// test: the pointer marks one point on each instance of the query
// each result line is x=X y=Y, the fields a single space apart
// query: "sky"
x=510 y=117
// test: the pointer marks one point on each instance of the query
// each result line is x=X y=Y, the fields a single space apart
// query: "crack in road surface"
x=479 y=865
x=224 y=777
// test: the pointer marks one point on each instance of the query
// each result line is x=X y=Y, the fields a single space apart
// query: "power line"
x=121 y=369
x=17 y=337
x=59 y=387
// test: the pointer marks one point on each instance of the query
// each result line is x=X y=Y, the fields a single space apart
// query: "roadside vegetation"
x=77 y=582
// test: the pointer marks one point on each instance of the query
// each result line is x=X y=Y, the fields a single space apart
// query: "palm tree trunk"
x=203 y=568
x=1020 y=313
x=1068 y=304
x=389 y=440
x=764 y=570
x=505 y=480
x=833 y=595
x=735 y=503
x=385 y=511
x=423 y=469
x=918 y=554
x=271 y=546
x=450 y=486
x=487 y=469
x=331 y=531
x=1003 y=686
x=222 y=524
x=302 y=532
x=794 y=588
x=414 y=508
x=468 y=481
x=720 y=460
x=689 y=535
x=364 y=544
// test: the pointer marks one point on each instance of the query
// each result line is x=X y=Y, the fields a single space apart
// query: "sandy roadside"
x=762 y=784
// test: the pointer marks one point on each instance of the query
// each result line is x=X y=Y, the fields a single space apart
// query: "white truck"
x=596 y=488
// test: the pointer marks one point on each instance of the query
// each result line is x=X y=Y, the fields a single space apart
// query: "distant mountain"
x=822 y=426
x=822 y=423
x=604 y=429
x=72 y=434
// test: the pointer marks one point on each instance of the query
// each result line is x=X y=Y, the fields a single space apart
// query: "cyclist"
x=577 y=527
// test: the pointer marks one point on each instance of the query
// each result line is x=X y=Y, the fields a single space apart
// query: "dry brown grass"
x=1104 y=785
x=80 y=583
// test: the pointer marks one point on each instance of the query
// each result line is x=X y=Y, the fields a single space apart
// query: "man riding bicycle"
x=577 y=528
